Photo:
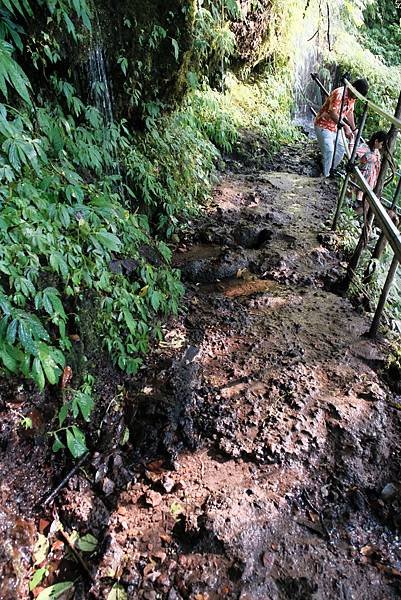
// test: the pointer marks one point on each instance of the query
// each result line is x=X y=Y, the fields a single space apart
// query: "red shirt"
x=333 y=102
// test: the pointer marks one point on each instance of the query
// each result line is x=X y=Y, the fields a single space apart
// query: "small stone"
x=168 y=484
x=388 y=492
x=107 y=486
x=163 y=581
x=153 y=498
x=267 y=560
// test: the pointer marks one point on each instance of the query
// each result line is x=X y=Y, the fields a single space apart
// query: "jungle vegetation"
x=93 y=193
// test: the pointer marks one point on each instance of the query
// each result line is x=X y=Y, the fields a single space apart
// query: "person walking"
x=329 y=119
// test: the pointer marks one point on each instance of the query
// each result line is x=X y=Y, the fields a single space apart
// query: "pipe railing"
x=376 y=209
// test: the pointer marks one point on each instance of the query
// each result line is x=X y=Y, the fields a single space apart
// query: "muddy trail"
x=257 y=455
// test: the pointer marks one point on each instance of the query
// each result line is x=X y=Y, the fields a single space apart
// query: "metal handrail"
x=390 y=231
x=394 y=121
x=377 y=211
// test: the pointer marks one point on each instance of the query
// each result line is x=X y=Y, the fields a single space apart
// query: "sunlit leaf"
x=37 y=578
x=117 y=593
x=55 y=591
x=40 y=549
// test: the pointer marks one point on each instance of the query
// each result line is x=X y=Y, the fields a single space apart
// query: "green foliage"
x=263 y=106
x=393 y=364
x=378 y=30
x=11 y=36
x=381 y=32
x=86 y=206
x=60 y=237
x=55 y=591
x=170 y=168
x=214 y=42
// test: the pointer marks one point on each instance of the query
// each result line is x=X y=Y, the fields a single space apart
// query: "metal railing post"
x=350 y=165
x=338 y=127
x=383 y=297
x=397 y=194
x=381 y=242
x=364 y=238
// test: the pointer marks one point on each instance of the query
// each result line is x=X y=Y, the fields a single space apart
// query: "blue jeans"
x=326 y=140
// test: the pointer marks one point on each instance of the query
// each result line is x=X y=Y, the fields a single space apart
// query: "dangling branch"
x=306 y=8
x=328 y=27
x=313 y=36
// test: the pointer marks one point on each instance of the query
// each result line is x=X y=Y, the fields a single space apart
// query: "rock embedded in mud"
x=108 y=486
x=388 y=492
x=168 y=484
x=153 y=498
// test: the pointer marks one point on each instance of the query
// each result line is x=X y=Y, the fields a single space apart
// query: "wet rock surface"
x=263 y=456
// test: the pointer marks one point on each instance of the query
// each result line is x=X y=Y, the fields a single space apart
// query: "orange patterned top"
x=333 y=102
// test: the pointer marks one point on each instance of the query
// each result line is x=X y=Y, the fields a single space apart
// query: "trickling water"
x=100 y=90
x=309 y=47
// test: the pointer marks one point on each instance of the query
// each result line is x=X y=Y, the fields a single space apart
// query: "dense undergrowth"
x=88 y=206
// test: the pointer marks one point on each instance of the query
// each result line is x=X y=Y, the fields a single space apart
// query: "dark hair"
x=362 y=86
x=378 y=136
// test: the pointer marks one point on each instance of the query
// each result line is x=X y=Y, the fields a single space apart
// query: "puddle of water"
x=197 y=252
x=237 y=287
x=241 y=287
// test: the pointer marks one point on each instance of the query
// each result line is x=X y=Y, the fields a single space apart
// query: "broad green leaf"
x=25 y=338
x=37 y=374
x=87 y=543
x=85 y=403
x=130 y=321
x=155 y=298
x=62 y=414
x=57 y=444
x=38 y=331
x=12 y=331
x=108 y=240
x=55 y=591
x=3 y=326
x=117 y=593
x=11 y=73
x=76 y=442
x=49 y=366
x=37 y=578
x=8 y=361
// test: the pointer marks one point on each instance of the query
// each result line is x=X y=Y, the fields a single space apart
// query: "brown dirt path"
x=263 y=460
x=279 y=434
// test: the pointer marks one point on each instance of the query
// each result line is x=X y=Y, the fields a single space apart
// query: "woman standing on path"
x=329 y=119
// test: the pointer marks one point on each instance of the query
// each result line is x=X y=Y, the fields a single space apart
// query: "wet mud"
x=263 y=456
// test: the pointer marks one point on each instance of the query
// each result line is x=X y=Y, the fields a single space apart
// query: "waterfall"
x=307 y=93
x=315 y=34
x=99 y=85
x=101 y=94
x=100 y=91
